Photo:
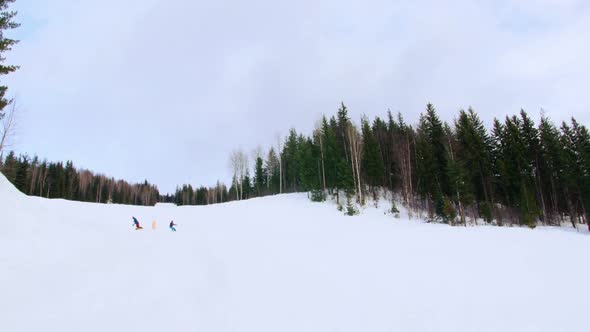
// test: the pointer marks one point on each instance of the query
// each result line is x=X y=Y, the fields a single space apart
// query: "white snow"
x=279 y=263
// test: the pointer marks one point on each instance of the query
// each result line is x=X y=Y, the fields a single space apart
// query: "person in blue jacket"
x=172 y=224
x=136 y=223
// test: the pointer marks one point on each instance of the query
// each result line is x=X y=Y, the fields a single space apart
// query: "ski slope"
x=279 y=263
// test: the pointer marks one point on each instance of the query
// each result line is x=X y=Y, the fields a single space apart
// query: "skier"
x=172 y=224
x=136 y=223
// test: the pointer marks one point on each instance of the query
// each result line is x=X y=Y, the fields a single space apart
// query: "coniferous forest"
x=519 y=172
x=56 y=180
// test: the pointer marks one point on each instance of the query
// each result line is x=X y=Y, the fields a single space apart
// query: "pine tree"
x=582 y=147
x=290 y=162
x=385 y=144
x=309 y=169
x=10 y=167
x=259 y=177
x=6 y=44
x=20 y=180
x=345 y=177
x=433 y=155
x=460 y=186
x=572 y=172
x=474 y=154
x=247 y=185
x=330 y=153
x=520 y=172
x=551 y=168
x=372 y=159
x=338 y=168
x=272 y=172
x=530 y=137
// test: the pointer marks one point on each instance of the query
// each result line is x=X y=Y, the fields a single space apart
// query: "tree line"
x=56 y=180
x=518 y=172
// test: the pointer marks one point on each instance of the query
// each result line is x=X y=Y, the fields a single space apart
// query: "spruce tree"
x=551 y=168
x=291 y=162
x=460 y=186
x=572 y=172
x=330 y=154
x=6 y=44
x=474 y=155
x=10 y=167
x=22 y=167
x=372 y=159
x=520 y=171
x=433 y=160
x=259 y=177
x=582 y=147
x=530 y=137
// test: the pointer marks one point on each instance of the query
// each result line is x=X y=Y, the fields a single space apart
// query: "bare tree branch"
x=8 y=127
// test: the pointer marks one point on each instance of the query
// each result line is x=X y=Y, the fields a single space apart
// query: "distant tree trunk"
x=540 y=189
x=554 y=204
x=355 y=158
x=8 y=125
x=459 y=203
x=279 y=148
x=322 y=157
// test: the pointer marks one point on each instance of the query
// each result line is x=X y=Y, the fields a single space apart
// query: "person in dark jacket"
x=172 y=224
x=136 y=223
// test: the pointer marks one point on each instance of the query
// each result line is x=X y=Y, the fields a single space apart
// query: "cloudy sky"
x=164 y=90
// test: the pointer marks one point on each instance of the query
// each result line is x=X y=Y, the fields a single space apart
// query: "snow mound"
x=165 y=205
x=7 y=189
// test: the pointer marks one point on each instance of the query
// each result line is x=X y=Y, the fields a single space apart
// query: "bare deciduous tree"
x=356 y=150
x=239 y=165
x=7 y=127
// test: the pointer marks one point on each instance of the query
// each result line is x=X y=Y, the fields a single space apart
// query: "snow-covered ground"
x=279 y=263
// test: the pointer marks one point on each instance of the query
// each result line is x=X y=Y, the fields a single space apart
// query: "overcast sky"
x=164 y=90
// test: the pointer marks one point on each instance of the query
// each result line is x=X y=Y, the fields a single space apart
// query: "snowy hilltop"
x=279 y=263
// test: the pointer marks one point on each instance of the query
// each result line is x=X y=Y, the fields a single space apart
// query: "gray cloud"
x=164 y=90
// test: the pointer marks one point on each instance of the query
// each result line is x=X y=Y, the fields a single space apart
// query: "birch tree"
x=7 y=128
x=356 y=150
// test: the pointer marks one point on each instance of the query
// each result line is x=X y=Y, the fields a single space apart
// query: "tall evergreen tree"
x=474 y=154
x=582 y=147
x=259 y=177
x=551 y=167
x=433 y=160
x=6 y=44
x=372 y=159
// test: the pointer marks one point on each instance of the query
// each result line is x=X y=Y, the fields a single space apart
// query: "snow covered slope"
x=279 y=263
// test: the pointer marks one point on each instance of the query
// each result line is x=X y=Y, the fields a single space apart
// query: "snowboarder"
x=172 y=224
x=136 y=223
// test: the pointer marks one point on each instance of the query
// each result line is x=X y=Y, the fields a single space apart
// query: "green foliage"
x=6 y=44
x=394 y=210
x=318 y=195
x=259 y=177
x=372 y=159
x=485 y=211
x=54 y=180
x=448 y=211
x=350 y=208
